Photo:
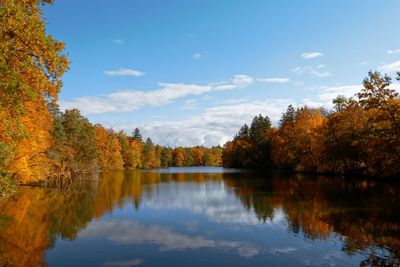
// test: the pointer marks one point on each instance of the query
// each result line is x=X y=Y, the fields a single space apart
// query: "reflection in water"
x=127 y=263
x=128 y=232
x=140 y=218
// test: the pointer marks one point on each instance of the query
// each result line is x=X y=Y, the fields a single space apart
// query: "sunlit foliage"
x=31 y=67
x=361 y=135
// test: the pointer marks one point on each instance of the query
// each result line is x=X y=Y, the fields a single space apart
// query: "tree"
x=343 y=131
x=213 y=156
x=283 y=153
x=108 y=149
x=307 y=139
x=244 y=133
x=198 y=156
x=149 y=157
x=376 y=93
x=126 y=151
x=340 y=103
x=288 y=118
x=31 y=67
x=80 y=142
x=136 y=135
x=166 y=157
x=136 y=147
x=259 y=140
x=250 y=147
x=381 y=133
x=259 y=126
x=178 y=157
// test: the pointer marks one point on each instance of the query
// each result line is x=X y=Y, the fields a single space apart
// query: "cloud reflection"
x=214 y=200
x=132 y=232
x=126 y=263
x=285 y=250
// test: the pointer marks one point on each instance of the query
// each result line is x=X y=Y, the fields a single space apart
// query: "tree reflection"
x=364 y=214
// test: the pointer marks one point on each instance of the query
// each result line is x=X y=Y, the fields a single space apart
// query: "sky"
x=191 y=72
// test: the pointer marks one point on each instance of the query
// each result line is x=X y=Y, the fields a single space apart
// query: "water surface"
x=202 y=217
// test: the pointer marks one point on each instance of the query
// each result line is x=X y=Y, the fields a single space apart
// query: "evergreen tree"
x=137 y=135
x=259 y=126
x=288 y=118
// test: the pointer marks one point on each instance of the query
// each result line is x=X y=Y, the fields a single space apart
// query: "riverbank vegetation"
x=360 y=136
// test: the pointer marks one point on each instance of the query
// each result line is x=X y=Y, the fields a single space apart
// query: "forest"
x=360 y=136
x=38 y=140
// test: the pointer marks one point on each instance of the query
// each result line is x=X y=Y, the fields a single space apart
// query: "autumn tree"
x=126 y=151
x=166 y=157
x=283 y=152
x=237 y=153
x=361 y=135
x=213 y=156
x=250 y=147
x=381 y=135
x=80 y=151
x=307 y=139
x=108 y=149
x=31 y=67
x=136 y=148
x=178 y=157
x=149 y=156
x=343 y=151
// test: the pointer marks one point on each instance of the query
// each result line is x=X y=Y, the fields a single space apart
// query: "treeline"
x=360 y=136
x=36 y=139
x=79 y=146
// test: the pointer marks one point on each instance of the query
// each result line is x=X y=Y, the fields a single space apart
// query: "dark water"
x=202 y=217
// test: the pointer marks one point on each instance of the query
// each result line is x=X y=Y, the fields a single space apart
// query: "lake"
x=202 y=217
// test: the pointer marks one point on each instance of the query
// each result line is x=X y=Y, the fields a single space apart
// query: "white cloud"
x=197 y=55
x=124 y=72
x=242 y=80
x=118 y=41
x=310 y=55
x=390 y=67
x=314 y=71
x=323 y=96
x=274 y=80
x=124 y=101
x=321 y=74
x=215 y=125
x=129 y=100
x=394 y=51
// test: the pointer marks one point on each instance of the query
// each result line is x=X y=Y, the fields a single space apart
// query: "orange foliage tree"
x=359 y=136
x=31 y=67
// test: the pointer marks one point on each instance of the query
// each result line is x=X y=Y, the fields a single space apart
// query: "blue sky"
x=191 y=72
